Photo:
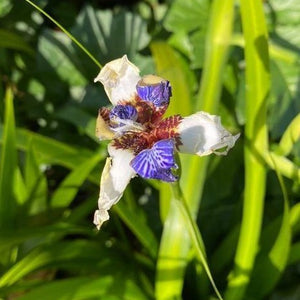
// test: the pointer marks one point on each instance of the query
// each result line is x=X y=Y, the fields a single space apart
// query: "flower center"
x=123 y=118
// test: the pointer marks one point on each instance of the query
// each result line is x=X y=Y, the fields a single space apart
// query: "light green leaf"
x=187 y=15
x=274 y=253
x=35 y=181
x=58 y=51
x=8 y=164
x=256 y=135
x=67 y=190
x=81 y=288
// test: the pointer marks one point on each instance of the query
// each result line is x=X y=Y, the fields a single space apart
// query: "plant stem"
x=193 y=231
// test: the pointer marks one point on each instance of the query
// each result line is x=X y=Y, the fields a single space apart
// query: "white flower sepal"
x=119 y=78
x=116 y=175
x=203 y=134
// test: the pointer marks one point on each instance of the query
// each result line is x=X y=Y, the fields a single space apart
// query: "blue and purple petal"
x=154 y=89
x=157 y=162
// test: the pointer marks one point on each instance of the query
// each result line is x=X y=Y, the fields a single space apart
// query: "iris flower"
x=142 y=141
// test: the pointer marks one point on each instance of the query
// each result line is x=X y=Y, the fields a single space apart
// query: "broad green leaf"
x=67 y=190
x=81 y=288
x=187 y=15
x=110 y=35
x=13 y=41
x=287 y=20
x=8 y=165
x=57 y=56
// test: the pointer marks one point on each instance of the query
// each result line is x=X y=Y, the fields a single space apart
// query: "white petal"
x=115 y=177
x=203 y=134
x=119 y=78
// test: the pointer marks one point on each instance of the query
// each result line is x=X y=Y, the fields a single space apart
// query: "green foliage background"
x=240 y=60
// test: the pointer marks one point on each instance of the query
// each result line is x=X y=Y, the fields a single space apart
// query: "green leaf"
x=87 y=288
x=56 y=55
x=138 y=227
x=256 y=135
x=67 y=190
x=51 y=255
x=274 y=253
x=36 y=183
x=9 y=238
x=13 y=41
x=8 y=164
x=294 y=256
x=50 y=151
x=79 y=118
x=109 y=34
x=20 y=190
x=187 y=15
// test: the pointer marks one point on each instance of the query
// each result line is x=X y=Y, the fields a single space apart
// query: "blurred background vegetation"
x=239 y=60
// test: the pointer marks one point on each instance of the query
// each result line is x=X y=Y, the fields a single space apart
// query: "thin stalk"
x=88 y=53
x=195 y=235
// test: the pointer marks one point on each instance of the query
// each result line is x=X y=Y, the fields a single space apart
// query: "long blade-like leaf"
x=8 y=166
x=257 y=92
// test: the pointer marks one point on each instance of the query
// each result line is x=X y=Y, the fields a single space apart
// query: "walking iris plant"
x=143 y=142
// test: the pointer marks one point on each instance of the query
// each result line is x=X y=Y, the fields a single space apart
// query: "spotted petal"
x=119 y=78
x=115 y=177
x=203 y=134
x=157 y=162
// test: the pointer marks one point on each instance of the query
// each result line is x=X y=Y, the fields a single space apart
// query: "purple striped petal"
x=157 y=162
x=154 y=89
x=124 y=112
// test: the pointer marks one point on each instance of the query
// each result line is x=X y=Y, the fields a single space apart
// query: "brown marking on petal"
x=158 y=114
x=133 y=141
x=168 y=128
x=104 y=113
x=145 y=111
x=102 y=131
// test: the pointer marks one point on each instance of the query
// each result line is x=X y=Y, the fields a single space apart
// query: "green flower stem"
x=193 y=231
x=67 y=33
x=256 y=134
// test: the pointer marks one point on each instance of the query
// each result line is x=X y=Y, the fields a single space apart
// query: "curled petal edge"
x=116 y=175
x=119 y=78
x=203 y=134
